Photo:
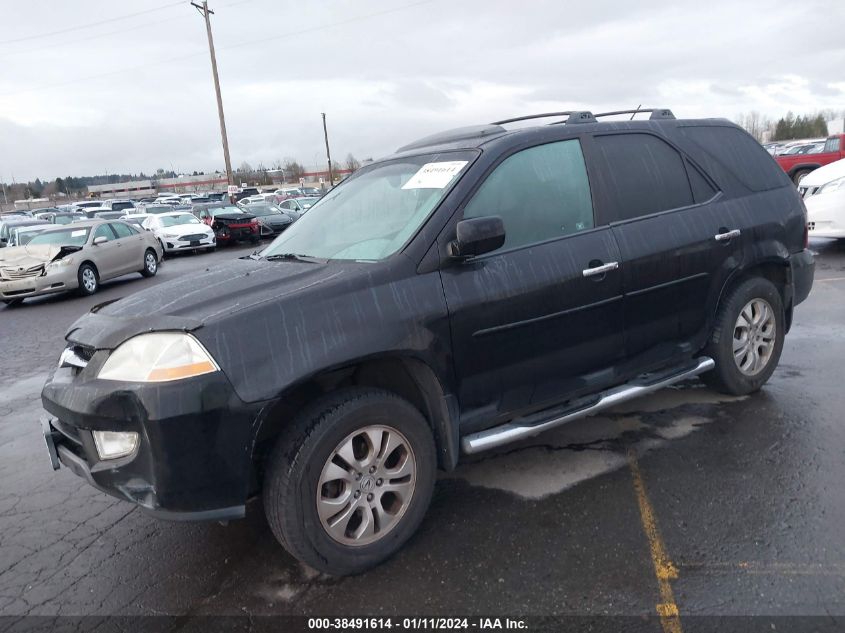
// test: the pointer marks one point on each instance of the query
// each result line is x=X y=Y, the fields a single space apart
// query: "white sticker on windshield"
x=435 y=175
x=77 y=233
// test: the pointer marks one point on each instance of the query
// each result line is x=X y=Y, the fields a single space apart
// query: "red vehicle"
x=231 y=224
x=799 y=165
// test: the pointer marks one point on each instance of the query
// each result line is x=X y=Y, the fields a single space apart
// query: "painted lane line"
x=831 y=279
x=664 y=569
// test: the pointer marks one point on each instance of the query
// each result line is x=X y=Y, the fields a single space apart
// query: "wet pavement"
x=684 y=503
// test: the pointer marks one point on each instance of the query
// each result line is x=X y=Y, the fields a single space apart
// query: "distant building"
x=131 y=189
x=193 y=184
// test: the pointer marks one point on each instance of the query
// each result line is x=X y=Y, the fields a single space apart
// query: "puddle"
x=556 y=460
x=23 y=389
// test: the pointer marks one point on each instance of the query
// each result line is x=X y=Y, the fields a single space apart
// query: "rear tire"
x=799 y=175
x=343 y=515
x=150 y=263
x=89 y=280
x=747 y=338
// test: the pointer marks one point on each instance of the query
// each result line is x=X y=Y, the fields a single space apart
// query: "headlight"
x=833 y=185
x=59 y=264
x=114 y=444
x=158 y=357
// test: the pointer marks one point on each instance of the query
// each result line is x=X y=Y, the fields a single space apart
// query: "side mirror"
x=477 y=236
x=102 y=239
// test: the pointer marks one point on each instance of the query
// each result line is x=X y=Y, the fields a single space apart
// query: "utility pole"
x=206 y=12
x=328 y=153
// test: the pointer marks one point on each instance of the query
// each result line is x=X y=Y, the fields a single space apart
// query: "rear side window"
x=702 y=190
x=740 y=154
x=832 y=144
x=642 y=174
x=540 y=193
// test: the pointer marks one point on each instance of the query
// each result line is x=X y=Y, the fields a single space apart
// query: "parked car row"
x=76 y=257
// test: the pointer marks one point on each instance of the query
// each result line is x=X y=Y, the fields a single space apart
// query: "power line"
x=115 y=32
x=168 y=60
x=91 y=24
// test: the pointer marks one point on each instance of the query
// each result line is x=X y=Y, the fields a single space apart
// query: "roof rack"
x=584 y=116
x=531 y=116
x=657 y=114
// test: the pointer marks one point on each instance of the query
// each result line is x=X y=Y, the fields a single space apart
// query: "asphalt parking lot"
x=684 y=504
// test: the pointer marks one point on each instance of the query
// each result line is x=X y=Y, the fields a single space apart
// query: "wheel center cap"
x=368 y=483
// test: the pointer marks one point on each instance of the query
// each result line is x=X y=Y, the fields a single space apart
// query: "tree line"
x=74 y=186
x=788 y=127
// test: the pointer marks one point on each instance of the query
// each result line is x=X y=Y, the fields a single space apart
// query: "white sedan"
x=824 y=195
x=180 y=231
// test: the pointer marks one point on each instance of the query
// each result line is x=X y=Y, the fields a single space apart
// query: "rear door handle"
x=600 y=270
x=724 y=237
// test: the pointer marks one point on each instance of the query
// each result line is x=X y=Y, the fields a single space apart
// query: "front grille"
x=13 y=273
x=77 y=356
x=193 y=238
x=806 y=192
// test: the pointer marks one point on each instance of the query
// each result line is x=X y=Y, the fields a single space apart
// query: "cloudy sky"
x=95 y=86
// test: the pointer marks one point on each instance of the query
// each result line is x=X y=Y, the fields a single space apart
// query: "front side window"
x=122 y=230
x=104 y=231
x=641 y=175
x=376 y=211
x=540 y=193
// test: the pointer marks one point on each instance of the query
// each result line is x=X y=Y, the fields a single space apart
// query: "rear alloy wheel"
x=350 y=480
x=747 y=339
x=89 y=280
x=150 y=263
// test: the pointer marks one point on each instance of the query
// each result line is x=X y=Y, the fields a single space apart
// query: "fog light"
x=114 y=444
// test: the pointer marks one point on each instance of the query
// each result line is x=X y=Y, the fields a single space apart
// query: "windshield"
x=307 y=203
x=184 y=218
x=163 y=208
x=68 y=237
x=374 y=213
x=63 y=219
x=219 y=210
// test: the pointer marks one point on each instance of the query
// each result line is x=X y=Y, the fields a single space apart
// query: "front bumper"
x=802 y=266
x=39 y=285
x=193 y=461
x=173 y=244
x=235 y=233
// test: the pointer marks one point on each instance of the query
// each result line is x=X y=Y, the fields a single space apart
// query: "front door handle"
x=724 y=237
x=600 y=270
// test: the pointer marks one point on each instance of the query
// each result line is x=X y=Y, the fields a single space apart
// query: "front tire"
x=89 y=280
x=150 y=263
x=350 y=480
x=747 y=339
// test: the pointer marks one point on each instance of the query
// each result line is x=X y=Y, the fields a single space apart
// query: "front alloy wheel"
x=366 y=485
x=349 y=480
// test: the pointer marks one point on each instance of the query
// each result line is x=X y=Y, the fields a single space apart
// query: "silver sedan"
x=77 y=257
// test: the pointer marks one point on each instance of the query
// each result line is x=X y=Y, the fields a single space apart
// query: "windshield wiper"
x=295 y=256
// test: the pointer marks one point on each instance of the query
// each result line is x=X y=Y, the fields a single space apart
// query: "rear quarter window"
x=738 y=152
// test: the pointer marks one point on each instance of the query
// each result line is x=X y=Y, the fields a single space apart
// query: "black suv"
x=477 y=287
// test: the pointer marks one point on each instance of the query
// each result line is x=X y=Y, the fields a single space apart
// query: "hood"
x=224 y=289
x=824 y=175
x=186 y=229
x=240 y=218
x=28 y=256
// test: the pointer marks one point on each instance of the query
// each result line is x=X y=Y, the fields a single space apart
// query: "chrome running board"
x=522 y=428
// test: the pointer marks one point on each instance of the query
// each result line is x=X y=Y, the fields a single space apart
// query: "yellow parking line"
x=664 y=569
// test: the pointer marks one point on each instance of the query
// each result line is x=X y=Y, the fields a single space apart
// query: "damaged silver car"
x=76 y=257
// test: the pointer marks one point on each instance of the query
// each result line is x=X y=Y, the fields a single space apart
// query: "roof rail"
x=657 y=114
x=574 y=116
